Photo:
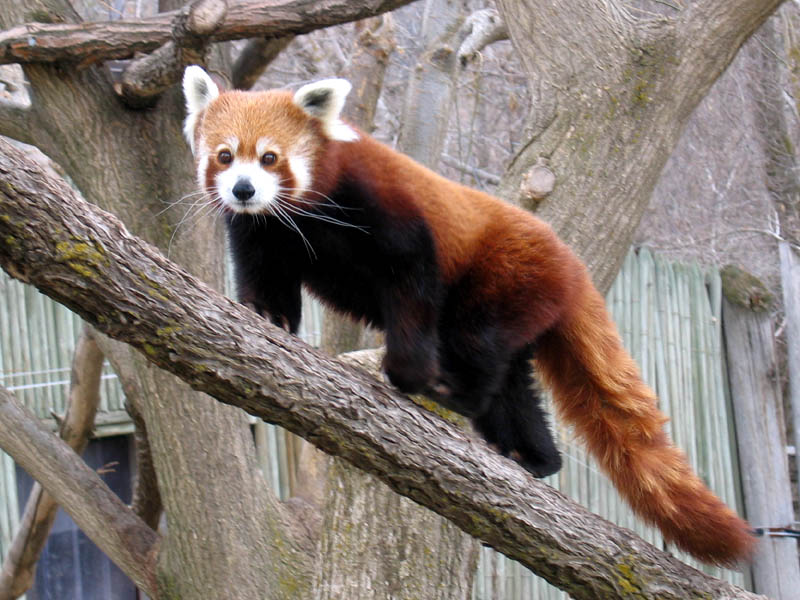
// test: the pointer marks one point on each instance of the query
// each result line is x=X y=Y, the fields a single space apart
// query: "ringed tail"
x=597 y=388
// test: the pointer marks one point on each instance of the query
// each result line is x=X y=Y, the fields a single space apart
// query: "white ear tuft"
x=199 y=90
x=324 y=100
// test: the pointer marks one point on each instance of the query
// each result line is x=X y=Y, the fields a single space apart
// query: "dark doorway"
x=71 y=566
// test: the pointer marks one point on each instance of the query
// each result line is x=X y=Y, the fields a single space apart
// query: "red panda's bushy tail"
x=597 y=388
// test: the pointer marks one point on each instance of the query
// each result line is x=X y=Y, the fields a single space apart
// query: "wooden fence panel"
x=756 y=396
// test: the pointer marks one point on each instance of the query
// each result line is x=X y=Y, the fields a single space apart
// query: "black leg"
x=474 y=360
x=267 y=270
x=516 y=423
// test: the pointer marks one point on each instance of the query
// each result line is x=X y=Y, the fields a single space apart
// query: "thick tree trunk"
x=418 y=553
x=611 y=94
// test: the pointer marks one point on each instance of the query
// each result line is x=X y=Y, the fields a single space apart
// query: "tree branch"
x=87 y=43
x=19 y=566
x=254 y=58
x=148 y=76
x=86 y=259
x=146 y=499
x=452 y=161
x=17 y=121
x=481 y=28
x=714 y=30
x=128 y=541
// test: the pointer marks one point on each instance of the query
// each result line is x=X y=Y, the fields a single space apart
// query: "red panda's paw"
x=281 y=321
x=440 y=390
x=538 y=466
x=252 y=306
x=410 y=376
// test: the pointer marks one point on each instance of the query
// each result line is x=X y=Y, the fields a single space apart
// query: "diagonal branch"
x=712 y=31
x=254 y=58
x=127 y=540
x=86 y=259
x=19 y=565
x=87 y=43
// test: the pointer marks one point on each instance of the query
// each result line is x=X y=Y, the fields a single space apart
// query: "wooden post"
x=760 y=430
x=790 y=282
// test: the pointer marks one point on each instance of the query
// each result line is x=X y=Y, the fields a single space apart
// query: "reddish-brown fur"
x=595 y=383
x=540 y=292
x=598 y=389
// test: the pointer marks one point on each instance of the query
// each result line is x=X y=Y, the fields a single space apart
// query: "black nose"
x=243 y=190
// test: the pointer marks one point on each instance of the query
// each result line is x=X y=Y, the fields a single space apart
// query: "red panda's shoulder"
x=463 y=221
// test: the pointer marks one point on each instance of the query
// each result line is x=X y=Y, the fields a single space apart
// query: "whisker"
x=320 y=217
x=299 y=191
x=194 y=213
x=329 y=201
x=171 y=204
x=287 y=220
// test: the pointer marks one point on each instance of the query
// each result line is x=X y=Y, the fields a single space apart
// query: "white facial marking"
x=263 y=144
x=265 y=185
x=202 y=167
x=301 y=169
x=232 y=144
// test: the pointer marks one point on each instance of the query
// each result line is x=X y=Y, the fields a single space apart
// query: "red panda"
x=469 y=290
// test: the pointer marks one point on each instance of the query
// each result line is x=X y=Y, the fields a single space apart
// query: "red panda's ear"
x=199 y=90
x=324 y=100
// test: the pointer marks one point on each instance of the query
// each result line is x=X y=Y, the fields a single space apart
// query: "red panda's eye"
x=269 y=158
x=224 y=157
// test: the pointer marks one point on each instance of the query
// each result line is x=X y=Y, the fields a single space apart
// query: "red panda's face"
x=256 y=151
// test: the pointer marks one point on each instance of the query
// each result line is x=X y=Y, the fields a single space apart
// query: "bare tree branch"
x=148 y=76
x=254 y=58
x=17 y=121
x=87 y=43
x=86 y=259
x=146 y=500
x=125 y=538
x=452 y=161
x=481 y=28
x=19 y=566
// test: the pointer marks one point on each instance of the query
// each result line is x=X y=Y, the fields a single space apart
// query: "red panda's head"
x=255 y=150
